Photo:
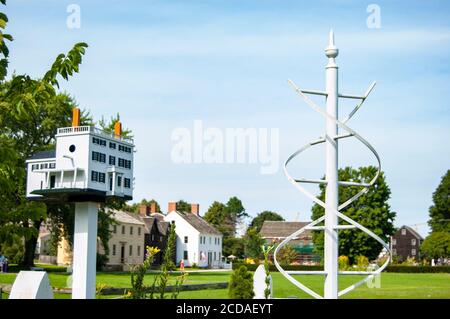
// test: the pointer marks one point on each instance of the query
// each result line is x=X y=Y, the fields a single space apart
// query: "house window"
x=139 y=250
x=112 y=160
x=139 y=231
x=185 y=254
x=99 y=157
x=403 y=231
x=218 y=241
x=394 y=251
x=413 y=242
x=210 y=240
x=394 y=241
x=123 y=230
x=126 y=183
x=115 y=229
x=185 y=239
x=413 y=252
x=214 y=255
x=94 y=176
x=153 y=237
x=114 y=250
x=131 y=250
x=131 y=230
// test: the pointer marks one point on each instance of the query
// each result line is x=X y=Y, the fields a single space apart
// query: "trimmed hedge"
x=418 y=269
x=392 y=268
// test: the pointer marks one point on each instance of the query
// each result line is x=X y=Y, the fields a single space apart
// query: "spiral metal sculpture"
x=365 y=188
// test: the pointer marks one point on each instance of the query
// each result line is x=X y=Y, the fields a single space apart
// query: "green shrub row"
x=392 y=268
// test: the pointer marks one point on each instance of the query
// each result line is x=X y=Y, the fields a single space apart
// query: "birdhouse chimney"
x=75 y=117
x=195 y=209
x=117 y=129
x=172 y=207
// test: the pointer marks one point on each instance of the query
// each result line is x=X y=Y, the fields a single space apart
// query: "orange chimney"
x=153 y=208
x=143 y=210
x=117 y=129
x=195 y=209
x=172 y=207
x=75 y=117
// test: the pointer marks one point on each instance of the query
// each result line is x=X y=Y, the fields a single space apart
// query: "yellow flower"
x=151 y=251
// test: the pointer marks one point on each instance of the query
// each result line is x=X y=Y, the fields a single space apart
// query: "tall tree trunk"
x=30 y=246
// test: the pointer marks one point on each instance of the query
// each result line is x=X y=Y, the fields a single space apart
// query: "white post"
x=84 y=250
x=331 y=195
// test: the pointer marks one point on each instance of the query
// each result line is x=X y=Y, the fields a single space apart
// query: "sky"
x=165 y=64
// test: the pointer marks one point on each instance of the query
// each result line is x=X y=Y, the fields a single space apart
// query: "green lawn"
x=393 y=285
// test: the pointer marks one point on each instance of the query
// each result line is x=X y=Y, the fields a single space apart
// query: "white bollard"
x=31 y=285
x=259 y=283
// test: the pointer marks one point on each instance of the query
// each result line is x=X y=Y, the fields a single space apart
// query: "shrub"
x=343 y=262
x=101 y=261
x=287 y=255
x=362 y=262
x=241 y=284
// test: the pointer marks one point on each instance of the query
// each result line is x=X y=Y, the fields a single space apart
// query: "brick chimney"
x=153 y=208
x=195 y=209
x=143 y=210
x=172 y=207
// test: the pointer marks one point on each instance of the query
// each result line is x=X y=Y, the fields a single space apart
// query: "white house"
x=198 y=242
x=87 y=164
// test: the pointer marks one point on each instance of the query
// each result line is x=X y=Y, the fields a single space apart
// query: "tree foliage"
x=225 y=217
x=258 y=221
x=241 y=284
x=233 y=246
x=436 y=245
x=253 y=243
x=287 y=255
x=183 y=206
x=440 y=211
x=370 y=210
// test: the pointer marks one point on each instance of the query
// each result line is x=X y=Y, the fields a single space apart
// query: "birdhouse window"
x=99 y=157
x=112 y=145
x=127 y=182
x=112 y=160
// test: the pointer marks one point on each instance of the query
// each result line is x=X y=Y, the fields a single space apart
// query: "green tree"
x=258 y=221
x=183 y=206
x=370 y=210
x=226 y=216
x=136 y=206
x=108 y=126
x=436 y=245
x=241 y=284
x=233 y=246
x=253 y=243
x=440 y=211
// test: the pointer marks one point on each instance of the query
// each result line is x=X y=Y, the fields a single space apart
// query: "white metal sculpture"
x=331 y=205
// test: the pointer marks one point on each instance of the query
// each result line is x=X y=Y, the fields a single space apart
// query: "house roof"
x=126 y=217
x=199 y=223
x=281 y=229
x=160 y=224
x=43 y=154
x=412 y=231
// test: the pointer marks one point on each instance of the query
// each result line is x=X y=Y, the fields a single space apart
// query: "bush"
x=287 y=255
x=343 y=262
x=101 y=261
x=362 y=262
x=391 y=268
x=241 y=284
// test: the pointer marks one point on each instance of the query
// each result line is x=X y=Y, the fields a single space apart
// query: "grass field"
x=392 y=285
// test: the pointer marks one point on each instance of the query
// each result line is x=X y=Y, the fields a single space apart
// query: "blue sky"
x=164 y=64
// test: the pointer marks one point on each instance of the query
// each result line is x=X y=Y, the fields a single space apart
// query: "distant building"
x=156 y=231
x=126 y=245
x=277 y=231
x=406 y=243
x=198 y=242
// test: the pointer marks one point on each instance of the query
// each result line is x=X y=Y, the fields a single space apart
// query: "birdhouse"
x=88 y=164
